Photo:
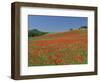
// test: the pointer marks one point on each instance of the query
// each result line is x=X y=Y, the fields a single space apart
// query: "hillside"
x=62 y=48
x=35 y=32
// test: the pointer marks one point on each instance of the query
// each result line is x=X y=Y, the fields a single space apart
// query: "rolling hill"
x=62 y=48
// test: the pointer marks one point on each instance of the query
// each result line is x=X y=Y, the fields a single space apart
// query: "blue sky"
x=55 y=23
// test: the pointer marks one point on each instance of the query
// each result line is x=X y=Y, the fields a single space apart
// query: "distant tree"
x=70 y=29
x=83 y=27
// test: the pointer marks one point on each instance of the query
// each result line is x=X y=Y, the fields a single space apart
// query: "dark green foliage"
x=70 y=29
x=83 y=27
x=35 y=32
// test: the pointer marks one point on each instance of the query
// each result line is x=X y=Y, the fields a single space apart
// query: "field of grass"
x=64 y=48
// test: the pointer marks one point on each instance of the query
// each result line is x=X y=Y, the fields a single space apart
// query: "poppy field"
x=62 y=48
